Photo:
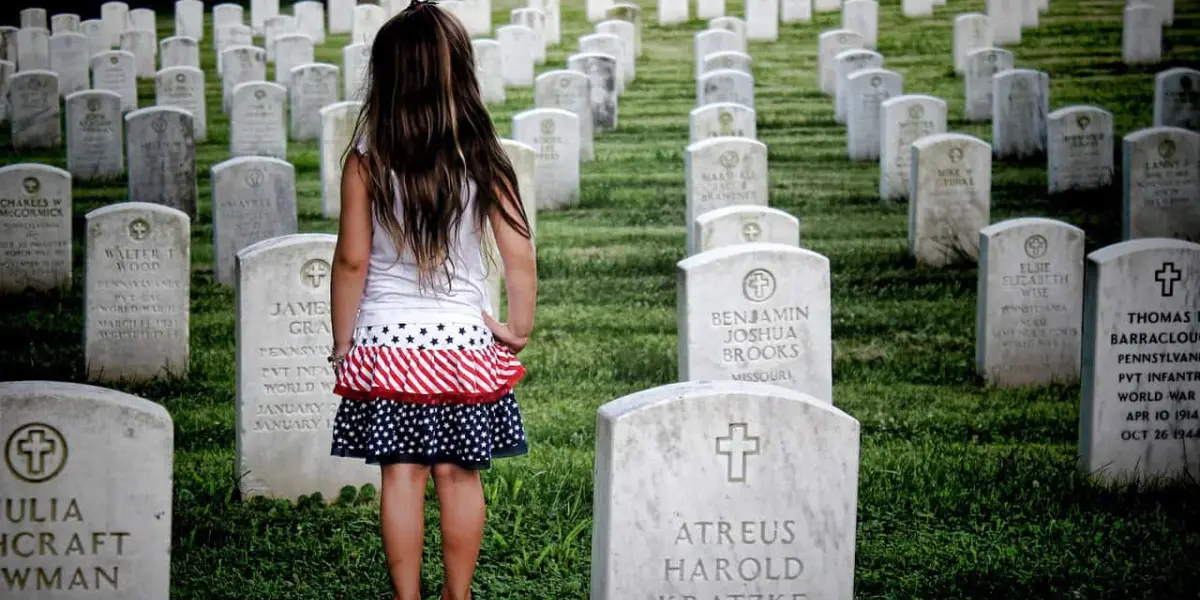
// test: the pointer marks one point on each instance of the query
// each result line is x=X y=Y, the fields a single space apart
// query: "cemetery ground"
x=966 y=491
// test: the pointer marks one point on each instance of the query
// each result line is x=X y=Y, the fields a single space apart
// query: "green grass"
x=966 y=491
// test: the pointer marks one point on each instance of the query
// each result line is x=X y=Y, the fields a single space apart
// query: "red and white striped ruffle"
x=426 y=376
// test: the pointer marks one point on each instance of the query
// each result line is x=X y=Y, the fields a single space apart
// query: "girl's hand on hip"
x=504 y=335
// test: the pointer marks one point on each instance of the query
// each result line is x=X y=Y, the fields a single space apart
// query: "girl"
x=425 y=373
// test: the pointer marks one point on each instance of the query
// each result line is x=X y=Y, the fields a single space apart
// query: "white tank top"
x=392 y=294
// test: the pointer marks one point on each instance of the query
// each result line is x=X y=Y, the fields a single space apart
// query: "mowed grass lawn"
x=966 y=491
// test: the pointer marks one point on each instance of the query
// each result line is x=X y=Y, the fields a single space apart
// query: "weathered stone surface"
x=33 y=110
x=721 y=119
x=94 y=466
x=115 y=16
x=981 y=65
x=189 y=19
x=1005 y=19
x=1079 y=148
x=845 y=64
x=95 y=135
x=285 y=395
x=97 y=37
x=33 y=49
x=243 y=64
x=64 y=23
x=136 y=285
x=672 y=12
x=733 y=25
x=721 y=172
x=554 y=134
x=337 y=134
x=1020 y=103
x=713 y=41
x=232 y=36
x=183 y=87
x=34 y=17
x=1162 y=184
x=257 y=122
x=611 y=45
x=829 y=45
x=734 y=225
x=1177 y=98
x=762 y=20
x=313 y=87
x=517 y=52
x=69 y=60
x=260 y=12
x=570 y=91
x=310 y=20
x=916 y=8
x=972 y=31
x=356 y=58
x=161 y=150
x=1029 y=307
x=624 y=30
x=535 y=20
x=143 y=45
x=1141 y=35
x=253 y=199
x=1137 y=413
x=949 y=198
x=35 y=228
x=710 y=9
x=905 y=119
x=341 y=15
x=291 y=51
x=601 y=70
x=725 y=85
x=795 y=11
x=368 y=19
x=862 y=17
x=865 y=92
x=180 y=52
x=770 y=324
x=688 y=469
x=114 y=71
x=143 y=19
x=726 y=60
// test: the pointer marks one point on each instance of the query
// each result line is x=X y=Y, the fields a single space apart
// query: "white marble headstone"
x=721 y=119
x=64 y=23
x=35 y=228
x=368 y=19
x=232 y=36
x=160 y=149
x=865 y=92
x=142 y=44
x=183 y=87
x=33 y=110
x=310 y=19
x=726 y=60
x=1029 y=306
x=33 y=49
x=554 y=134
x=179 y=52
x=275 y=28
x=949 y=198
x=137 y=277
x=1141 y=35
x=599 y=43
x=795 y=11
x=626 y=31
x=981 y=65
x=97 y=37
x=601 y=70
x=291 y=51
x=243 y=64
x=341 y=15
x=115 y=16
x=770 y=323
x=114 y=71
x=595 y=10
x=1161 y=195
x=916 y=8
x=253 y=199
x=536 y=21
x=69 y=60
x=356 y=58
x=723 y=171
x=570 y=91
x=95 y=135
x=95 y=467
x=862 y=17
x=517 y=54
x=1177 y=98
x=972 y=31
x=7 y=70
x=733 y=25
x=905 y=119
x=710 y=9
x=313 y=87
x=725 y=85
x=1079 y=148
x=8 y=44
x=754 y=481
x=524 y=161
x=829 y=45
x=672 y=12
x=476 y=16
x=1004 y=16
x=845 y=64
x=1138 y=417
x=33 y=17
x=740 y=224
x=338 y=121
x=189 y=19
x=260 y=11
x=143 y=19
x=1020 y=103
x=257 y=122
x=712 y=41
x=762 y=20
x=285 y=400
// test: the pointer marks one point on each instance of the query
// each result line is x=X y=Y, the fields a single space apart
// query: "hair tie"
x=418 y=3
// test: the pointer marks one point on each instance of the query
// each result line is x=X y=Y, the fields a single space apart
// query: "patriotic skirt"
x=428 y=393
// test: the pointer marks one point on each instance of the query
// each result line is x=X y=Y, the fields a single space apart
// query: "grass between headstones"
x=965 y=491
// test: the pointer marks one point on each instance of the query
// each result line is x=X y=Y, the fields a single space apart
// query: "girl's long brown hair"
x=423 y=120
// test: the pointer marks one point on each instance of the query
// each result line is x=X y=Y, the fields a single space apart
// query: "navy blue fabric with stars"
x=384 y=431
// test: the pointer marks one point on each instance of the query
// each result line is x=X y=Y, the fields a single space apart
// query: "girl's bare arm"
x=351 y=256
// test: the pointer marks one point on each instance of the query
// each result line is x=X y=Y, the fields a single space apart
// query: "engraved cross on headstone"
x=759 y=283
x=737 y=446
x=315 y=272
x=1168 y=276
x=139 y=230
x=35 y=447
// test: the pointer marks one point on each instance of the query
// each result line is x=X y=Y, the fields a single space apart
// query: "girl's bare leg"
x=402 y=520
x=460 y=494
